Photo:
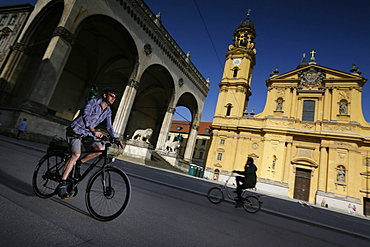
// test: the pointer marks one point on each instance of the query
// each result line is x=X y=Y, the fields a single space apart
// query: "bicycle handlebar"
x=112 y=140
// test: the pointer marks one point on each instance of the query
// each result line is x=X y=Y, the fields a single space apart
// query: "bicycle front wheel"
x=47 y=175
x=215 y=195
x=251 y=204
x=108 y=193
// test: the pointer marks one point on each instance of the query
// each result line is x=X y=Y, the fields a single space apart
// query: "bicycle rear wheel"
x=215 y=195
x=251 y=204
x=108 y=193
x=47 y=175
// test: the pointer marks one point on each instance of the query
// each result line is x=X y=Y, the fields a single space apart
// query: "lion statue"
x=142 y=135
x=172 y=147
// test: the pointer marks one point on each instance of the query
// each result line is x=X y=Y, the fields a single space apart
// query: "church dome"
x=246 y=24
x=303 y=62
x=246 y=27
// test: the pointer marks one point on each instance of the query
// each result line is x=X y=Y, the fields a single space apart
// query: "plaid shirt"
x=92 y=115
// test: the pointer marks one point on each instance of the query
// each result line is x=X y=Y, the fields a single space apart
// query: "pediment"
x=330 y=74
x=313 y=76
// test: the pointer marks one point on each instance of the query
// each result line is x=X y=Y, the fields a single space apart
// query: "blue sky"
x=338 y=31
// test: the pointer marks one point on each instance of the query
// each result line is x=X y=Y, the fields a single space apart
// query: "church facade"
x=310 y=143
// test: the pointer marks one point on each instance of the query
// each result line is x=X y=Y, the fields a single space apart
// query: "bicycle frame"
x=103 y=155
x=225 y=188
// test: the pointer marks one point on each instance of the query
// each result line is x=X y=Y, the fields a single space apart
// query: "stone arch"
x=104 y=55
x=32 y=48
x=189 y=101
x=154 y=95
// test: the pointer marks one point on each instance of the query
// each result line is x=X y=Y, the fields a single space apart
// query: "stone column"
x=323 y=167
x=191 y=139
x=293 y=111
x=125 y=106
x=166 y=125
x=18 y=57
x=327 y=104
x=51 y=67
x=287 y=161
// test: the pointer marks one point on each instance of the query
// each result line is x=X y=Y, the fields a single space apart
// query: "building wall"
x=12 y=21
x=202 y=143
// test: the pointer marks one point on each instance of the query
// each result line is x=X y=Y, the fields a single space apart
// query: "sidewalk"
x=27 y=144
x=276 y=205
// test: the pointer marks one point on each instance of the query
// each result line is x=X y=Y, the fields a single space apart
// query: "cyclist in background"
x=248 y=180
x=82 y=131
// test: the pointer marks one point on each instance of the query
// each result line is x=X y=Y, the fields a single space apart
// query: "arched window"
x=235 y=72
x=228 y=110
x=216 y=174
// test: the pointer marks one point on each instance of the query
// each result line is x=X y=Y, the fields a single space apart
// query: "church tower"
x=311 y=142
x=235 y=85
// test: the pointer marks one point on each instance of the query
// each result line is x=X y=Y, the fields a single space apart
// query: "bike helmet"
x=109 y=90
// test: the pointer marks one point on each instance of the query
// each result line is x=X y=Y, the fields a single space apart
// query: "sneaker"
x=63 y=191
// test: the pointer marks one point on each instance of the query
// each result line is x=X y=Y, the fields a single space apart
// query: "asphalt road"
x=166 y=209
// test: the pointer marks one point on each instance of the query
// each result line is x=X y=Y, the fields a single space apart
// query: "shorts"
x=75 y=140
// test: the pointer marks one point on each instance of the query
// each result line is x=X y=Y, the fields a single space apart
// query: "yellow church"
x=310 y=143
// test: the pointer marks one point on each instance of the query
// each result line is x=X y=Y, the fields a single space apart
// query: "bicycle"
x=107 y=192
x=251 y=203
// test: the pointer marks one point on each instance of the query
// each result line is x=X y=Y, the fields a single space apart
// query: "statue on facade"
x=341 y=175
x=279 y=105
x=343 y=108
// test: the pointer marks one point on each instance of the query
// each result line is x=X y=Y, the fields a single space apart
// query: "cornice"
x=154 y=29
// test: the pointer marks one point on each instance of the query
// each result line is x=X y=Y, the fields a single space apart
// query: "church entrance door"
x=366 y=206
x=302 y=184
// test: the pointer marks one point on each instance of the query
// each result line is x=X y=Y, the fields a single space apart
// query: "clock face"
x=237 y=61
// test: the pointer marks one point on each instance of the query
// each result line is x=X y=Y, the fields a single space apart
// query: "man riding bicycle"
x=249 y=179
x=82 y=131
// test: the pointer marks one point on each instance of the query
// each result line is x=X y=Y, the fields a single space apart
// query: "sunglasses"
x=112 y=95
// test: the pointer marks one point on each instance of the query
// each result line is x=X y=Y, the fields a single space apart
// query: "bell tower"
x=234 y=90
